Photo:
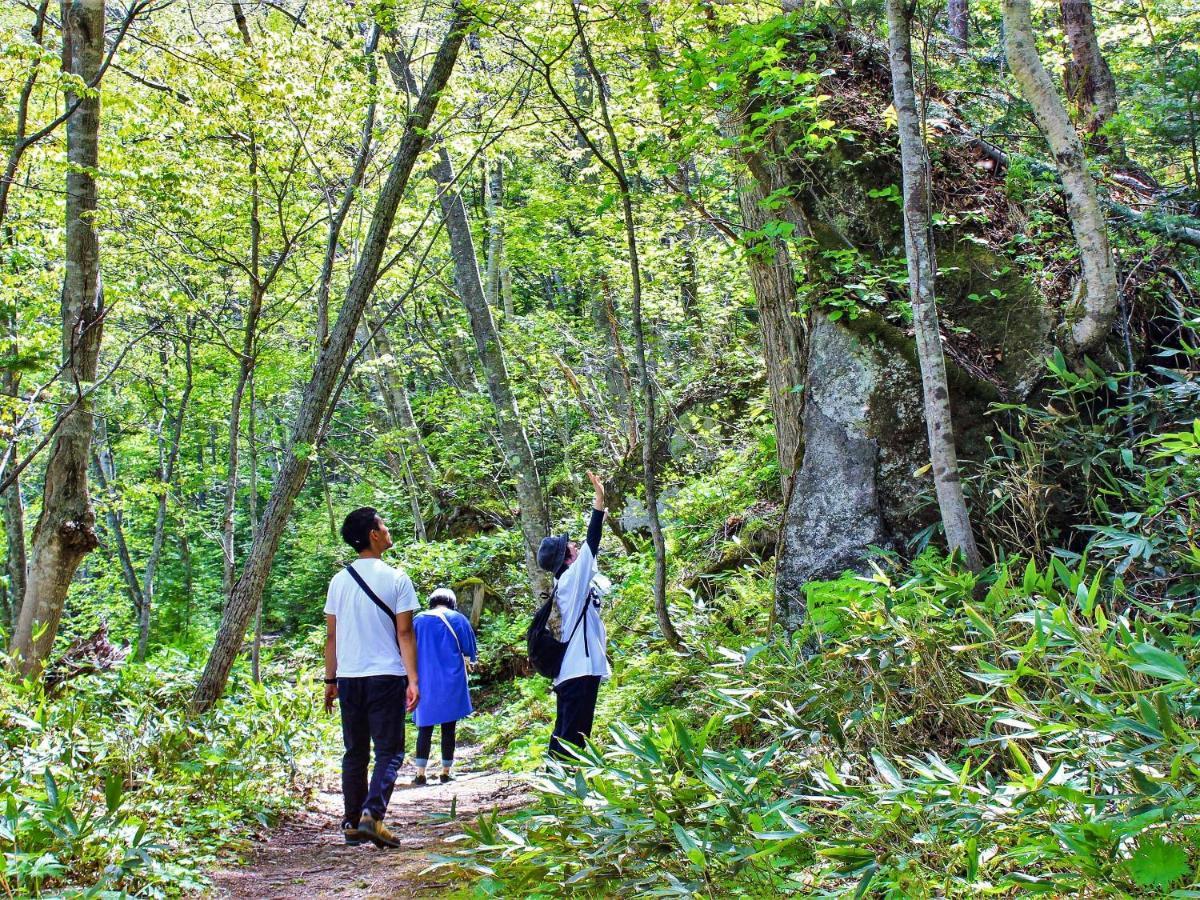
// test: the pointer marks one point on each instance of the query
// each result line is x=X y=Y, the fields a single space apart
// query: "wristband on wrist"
x=331 y=681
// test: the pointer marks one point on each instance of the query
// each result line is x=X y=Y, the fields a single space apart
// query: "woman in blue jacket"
x=445 y=641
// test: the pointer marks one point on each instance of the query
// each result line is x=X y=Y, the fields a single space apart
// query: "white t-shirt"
x=365 y=639
x=586 y=653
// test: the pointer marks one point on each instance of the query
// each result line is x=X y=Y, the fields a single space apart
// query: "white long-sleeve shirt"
x=587 y=651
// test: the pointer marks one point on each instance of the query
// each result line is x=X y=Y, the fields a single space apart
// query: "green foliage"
x=660 y=812
x=1100 y=469
x=110 y=786
x=1016 y=733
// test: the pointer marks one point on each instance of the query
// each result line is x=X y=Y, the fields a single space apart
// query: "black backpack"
x=546 y=652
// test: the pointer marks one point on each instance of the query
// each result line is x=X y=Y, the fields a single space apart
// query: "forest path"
x=305 y=855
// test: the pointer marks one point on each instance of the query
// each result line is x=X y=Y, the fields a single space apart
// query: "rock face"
x=863 y=429
x=863 y=439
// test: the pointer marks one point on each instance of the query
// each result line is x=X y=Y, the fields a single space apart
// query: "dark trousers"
x=372 y=712
x=425 y=741
x=576 y=711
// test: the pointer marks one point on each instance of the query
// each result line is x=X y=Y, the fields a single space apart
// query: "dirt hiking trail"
x=305 y=855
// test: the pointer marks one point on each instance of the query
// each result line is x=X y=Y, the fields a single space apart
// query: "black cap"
x=552 y=551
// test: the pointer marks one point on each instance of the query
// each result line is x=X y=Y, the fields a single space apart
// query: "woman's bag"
x=453 y=633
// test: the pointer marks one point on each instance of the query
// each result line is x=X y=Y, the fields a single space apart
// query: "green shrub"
x=112 y=786
x=1032 y=730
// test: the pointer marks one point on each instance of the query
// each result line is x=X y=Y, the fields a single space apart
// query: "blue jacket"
x=441 y=669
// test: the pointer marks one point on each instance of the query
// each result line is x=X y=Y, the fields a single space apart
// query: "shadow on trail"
x=305 y=856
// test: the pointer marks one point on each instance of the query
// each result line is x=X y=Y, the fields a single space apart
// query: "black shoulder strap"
x=375 y=599
x=582 y=613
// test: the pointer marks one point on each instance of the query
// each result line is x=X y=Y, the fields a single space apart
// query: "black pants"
x=425 y=741
x=576 y=711
x=372 y=712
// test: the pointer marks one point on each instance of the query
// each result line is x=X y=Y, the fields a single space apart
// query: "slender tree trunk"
x=1088 y=79
x=616 y=367
x=534 y=516
x=688 y=287
x=166 y=477
x=16 y=564
x=494 y=201
x=956 y=21
x=506 y=290
x=1193 y=140
x=252 y=510
x=105 y=468
x=12 y=507
x=246 y=363
x=456 y=362
x=189 y=582
x=1092 y=315
x=331 y=359
x=332 y=519
x=395 y=399
x=780 y=326
x=918 y=245
x=65 y=532
x=649 y=475
x=395 y=396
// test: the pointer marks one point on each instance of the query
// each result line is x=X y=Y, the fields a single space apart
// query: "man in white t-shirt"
x=585 y=662
x=371 y=670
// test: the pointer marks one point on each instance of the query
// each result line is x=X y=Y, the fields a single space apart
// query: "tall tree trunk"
x=105 y=468
x=688 y=287
x=331 y=359
x=773 y=279
x=400 y=418
x=65 y=532
x=649 y=476
x=189 y=582
x=918 y=245
x=1092 y=315
x=12 y=507
x=506 y=289
x=16 y=563
x=616 y=368
x=252 y=510
x=246 y=363
x=956 y=21
x=1088 y=79
x=166 y=478
x=534 y=515
x=779 y=325
x=395 y=396
x=494 y=202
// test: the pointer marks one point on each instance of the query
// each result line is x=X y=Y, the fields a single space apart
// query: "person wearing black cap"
x=585 y=662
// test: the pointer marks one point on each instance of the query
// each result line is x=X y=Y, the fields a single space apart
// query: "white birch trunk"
x=918 y=244
x=1093 y=312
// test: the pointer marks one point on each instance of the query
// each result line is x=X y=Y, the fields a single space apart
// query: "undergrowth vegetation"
x=1032 y=729
x=929 y=733
x=110 y=787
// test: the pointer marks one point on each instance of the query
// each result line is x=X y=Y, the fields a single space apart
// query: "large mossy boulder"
x=863 y=440
x=864 y=426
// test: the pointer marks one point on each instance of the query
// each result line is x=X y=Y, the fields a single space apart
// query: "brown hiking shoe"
x=375 y=831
